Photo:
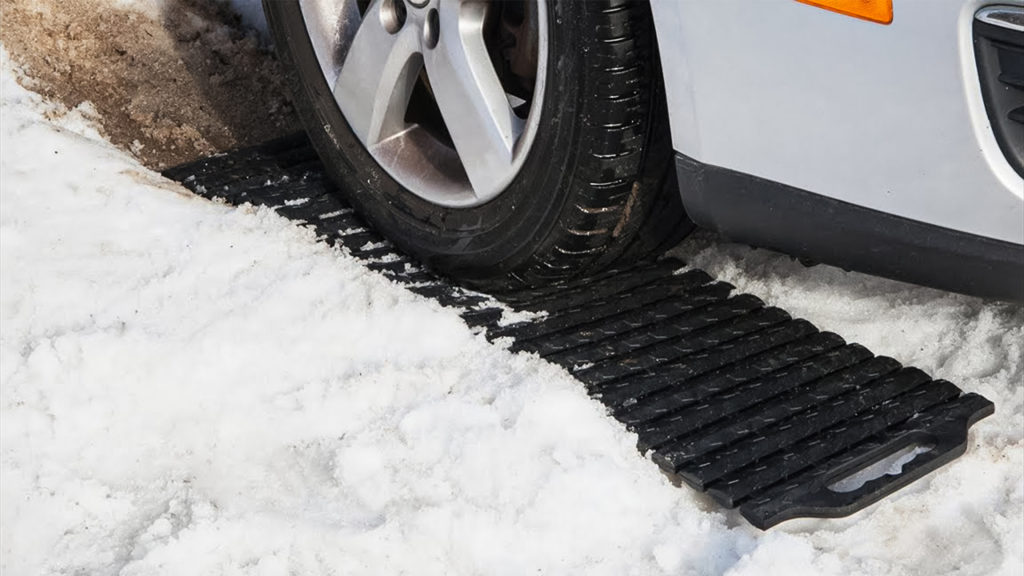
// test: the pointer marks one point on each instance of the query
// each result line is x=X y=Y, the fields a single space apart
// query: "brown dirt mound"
x=183 y=82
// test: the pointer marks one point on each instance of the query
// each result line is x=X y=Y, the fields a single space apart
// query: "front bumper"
x=888 y=118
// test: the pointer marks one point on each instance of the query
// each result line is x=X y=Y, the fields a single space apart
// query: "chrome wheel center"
x=444 y=94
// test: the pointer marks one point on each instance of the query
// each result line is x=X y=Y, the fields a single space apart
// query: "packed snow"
x=192 y=388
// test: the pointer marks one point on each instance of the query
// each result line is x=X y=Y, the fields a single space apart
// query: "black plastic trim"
x=769 y=214
x=1000 y=55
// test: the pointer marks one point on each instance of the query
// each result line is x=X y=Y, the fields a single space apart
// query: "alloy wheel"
x=444 y=94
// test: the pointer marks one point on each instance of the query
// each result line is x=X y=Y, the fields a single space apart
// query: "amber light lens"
x=874 y=10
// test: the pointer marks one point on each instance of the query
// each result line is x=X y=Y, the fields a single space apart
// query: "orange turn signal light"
x=874 y=10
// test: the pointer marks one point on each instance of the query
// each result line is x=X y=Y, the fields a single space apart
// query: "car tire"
x=597 y=184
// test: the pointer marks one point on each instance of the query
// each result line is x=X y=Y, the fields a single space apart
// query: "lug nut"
x=431 y=28
x=392 y=15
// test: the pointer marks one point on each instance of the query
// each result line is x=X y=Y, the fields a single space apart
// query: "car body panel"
x=890 y=118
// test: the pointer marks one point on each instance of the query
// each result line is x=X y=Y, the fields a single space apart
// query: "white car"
x=526 y=141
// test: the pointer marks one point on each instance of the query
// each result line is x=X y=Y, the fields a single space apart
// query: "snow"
x=192 y=388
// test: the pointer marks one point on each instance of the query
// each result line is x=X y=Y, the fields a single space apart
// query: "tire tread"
x=620 y=177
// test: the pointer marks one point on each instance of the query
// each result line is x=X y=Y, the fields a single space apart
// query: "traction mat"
x=760 y=410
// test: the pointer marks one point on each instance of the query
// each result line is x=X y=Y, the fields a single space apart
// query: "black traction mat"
x=762 y=411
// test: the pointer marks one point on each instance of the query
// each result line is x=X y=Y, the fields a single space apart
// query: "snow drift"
x=190 y=388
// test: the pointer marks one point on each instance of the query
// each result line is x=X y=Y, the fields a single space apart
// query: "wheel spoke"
x=377 y=77
x=470 y=96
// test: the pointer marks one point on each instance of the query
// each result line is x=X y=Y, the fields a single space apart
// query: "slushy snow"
x=189 y=388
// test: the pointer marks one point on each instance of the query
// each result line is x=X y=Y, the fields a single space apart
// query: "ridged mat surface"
x=762 y=411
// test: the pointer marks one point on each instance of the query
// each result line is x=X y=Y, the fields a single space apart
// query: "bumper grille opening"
x=999 y=48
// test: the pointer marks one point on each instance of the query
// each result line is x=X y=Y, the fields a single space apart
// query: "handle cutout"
x=891 y=465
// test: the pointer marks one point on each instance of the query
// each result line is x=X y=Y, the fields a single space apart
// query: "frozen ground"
x=190 y=388
x=172 y=80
